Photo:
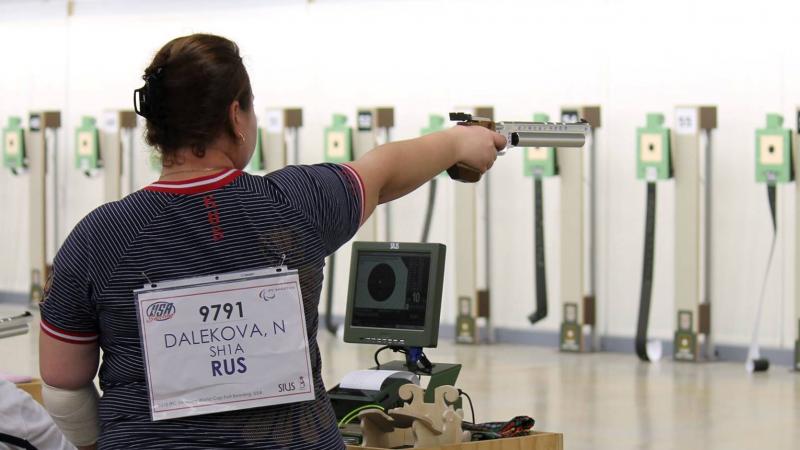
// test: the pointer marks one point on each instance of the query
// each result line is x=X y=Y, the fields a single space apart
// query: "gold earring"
x=241 y=136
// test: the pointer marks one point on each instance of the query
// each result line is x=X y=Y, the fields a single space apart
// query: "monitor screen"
x=395 y=294
x=391 y=290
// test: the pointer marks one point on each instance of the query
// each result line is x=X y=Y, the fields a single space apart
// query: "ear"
x=234 y=117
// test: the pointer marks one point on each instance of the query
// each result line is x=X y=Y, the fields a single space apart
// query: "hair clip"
x=145 y=97
x=154 y=75
x=141 y=102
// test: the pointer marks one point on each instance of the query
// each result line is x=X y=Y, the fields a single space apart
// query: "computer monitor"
x=395 y=294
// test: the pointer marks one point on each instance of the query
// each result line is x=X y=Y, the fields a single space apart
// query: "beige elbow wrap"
x=74 y=411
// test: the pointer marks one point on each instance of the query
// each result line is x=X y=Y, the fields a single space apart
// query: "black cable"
x=647 y=273
x=422 y=364
x=394 y=349
x=755 y=363
x=332 y=327
x=771 y=197
x=541 y=272
x=426 y=228
x=427 y=365
x=471 y=408
x=378 y=364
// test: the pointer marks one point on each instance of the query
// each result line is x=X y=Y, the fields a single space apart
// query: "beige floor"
x=611 y=401
x=599 y=401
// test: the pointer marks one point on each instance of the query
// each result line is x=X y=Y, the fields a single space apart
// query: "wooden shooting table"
x=537 y=440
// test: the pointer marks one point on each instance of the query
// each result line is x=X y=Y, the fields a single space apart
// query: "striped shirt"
x=225 y=222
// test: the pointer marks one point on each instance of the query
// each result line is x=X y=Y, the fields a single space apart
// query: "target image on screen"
x=391 y=290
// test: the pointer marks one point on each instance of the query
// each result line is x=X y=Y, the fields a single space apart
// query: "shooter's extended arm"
x=520 y=134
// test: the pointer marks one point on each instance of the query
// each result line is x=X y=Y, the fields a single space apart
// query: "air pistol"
x=15 y=325
x=520 y=134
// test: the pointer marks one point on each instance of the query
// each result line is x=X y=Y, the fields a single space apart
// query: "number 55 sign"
x=686 y=121
x=224 y=343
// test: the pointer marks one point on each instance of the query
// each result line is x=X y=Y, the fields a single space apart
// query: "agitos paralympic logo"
x=267 y=294
x=160 y=311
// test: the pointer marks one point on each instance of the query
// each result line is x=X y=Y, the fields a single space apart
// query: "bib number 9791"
x=211 y=312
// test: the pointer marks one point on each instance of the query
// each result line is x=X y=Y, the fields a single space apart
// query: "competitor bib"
x=224 y=343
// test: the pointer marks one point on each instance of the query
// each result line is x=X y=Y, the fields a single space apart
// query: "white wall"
x=631 y=57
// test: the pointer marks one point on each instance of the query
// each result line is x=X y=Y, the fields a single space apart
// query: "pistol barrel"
x=547 y=139
x=542 y=134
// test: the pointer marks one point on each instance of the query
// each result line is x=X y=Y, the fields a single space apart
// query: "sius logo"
x=160 y=311
x=394 y=245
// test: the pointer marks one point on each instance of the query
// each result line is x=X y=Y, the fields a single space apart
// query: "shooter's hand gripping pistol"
x=520 y=134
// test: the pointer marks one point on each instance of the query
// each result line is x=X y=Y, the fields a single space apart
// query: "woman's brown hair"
x=189 y=86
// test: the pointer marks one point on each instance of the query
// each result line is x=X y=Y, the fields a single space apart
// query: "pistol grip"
x=462 y=172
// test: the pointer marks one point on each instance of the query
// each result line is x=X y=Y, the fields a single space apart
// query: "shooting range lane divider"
x=472 y=303
x=773 y=166
x=102 y=146
x=796 y=160
x=435 y=123
x=39 y=147
x=539 y=162
x=653 y=163
x=281 y=137
x=577 y=235
x=338 y=149
x=116 y=136
x=373 y=128
x=692 y=339
x=587 y=310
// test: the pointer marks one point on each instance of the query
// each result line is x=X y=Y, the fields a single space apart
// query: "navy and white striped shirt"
x=225 y=222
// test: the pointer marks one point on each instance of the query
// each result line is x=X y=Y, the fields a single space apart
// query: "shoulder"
x=114 y=222
x=301 y=173
x=303 y=180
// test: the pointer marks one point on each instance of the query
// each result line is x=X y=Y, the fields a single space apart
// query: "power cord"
x=387 y=347
x=471 y=408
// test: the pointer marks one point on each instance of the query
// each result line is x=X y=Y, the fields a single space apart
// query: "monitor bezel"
x=428 y=337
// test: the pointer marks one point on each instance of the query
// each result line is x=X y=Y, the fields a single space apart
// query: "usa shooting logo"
x=160 y=311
